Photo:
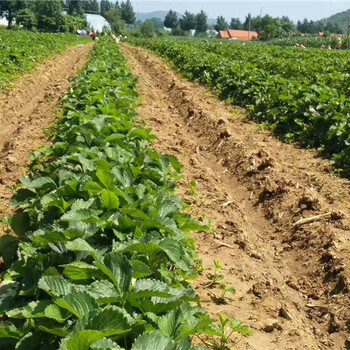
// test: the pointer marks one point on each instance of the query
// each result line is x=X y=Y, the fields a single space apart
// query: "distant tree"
x=300 y=26
x=188 y=21
x=91 y=5
x=221 y=24
x=157 y=23
x=310 y=27
x=201 y=22
x=248 y=22
x=9 y=9
x=105 y=6
x=171 y=20
x=286 y=19
x=72 y=23
x=269 y=27
x=287 y=26
x=235 y=23
x=127 y=12
x=333 y=28
x=338 y=29
x=115 y=20
x=179 y=32
x=49 y=14
x=147 y=29
x=27 y=19
x=75 y=7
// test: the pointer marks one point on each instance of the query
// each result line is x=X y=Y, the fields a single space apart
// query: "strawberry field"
x=21 y=51
x=300 y=94
x=102 y=258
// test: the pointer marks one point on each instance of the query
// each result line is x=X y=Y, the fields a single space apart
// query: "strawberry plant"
x=102 y=258
x=302 y=95
x=21 y=51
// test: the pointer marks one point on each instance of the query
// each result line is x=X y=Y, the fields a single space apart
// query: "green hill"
x=340 y=18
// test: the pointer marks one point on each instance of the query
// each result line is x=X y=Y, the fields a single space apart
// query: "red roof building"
x=224 y=34
x=234 y=34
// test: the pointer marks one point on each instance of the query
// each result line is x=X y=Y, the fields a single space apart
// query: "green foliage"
x=71 y=24
x=301 y=94
x=247 y=24
x=201 y=22
x=48 y=14
x=21 y=51
x=127 y=12
x=235 y=23
x=188 y=21
x=103 y=253
x=105 y=6
x=314 y=27
x=269 y=28
x=179 y=32
x=339 y=19
x=91 y=6
x=309 y=42
x=157 y=23
x=10 y=8
x=27 y=19
x=115 y=20
x=221 y=24
x=171 y=20
x=147 y=29
x=75 y=7
x=228 y=327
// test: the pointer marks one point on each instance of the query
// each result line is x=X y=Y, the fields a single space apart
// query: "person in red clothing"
x=92 y=35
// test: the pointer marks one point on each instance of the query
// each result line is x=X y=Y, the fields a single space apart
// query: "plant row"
x=20 y=51
x=102 y=258
x=313 y=114
x=311 y=66
x=309 y=41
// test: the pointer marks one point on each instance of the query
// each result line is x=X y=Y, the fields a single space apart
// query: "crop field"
x=301 y=95
x=140 y=211
x=21 y=52
x=308 y=41
x=102 y=251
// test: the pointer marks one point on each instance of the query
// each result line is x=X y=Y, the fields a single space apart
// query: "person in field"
x=92 y=35
x=339 y=44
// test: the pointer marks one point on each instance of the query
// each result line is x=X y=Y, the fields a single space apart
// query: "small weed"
x=216 y=277
x=227 y=327
x=193 y=187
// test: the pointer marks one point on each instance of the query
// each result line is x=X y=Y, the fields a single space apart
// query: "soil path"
x=292 y=281
x=27 y=109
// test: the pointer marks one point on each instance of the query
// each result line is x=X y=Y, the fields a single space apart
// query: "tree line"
x=266 y=26
x=49 y=16
x=189 y=21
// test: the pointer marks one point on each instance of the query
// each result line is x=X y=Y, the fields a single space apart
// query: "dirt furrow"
x=27 y=109
x=291 y=281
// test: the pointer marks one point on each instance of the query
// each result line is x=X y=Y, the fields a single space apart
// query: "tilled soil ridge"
x=291 y=280
x=27 y=109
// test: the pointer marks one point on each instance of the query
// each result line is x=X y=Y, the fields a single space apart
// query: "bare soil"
x=27 y=109
x=292 y=281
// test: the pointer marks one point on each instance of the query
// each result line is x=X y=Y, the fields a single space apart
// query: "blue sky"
x=296 y=10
